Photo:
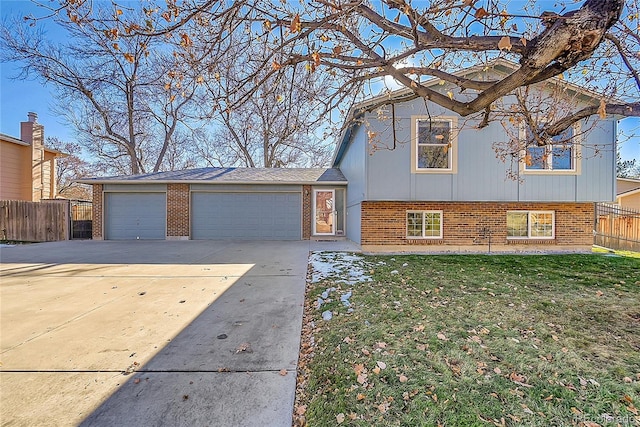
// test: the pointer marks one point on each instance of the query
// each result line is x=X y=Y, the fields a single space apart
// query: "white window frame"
x=529 y=226
x=424 y=223
x=452 y=154
x=548 y=170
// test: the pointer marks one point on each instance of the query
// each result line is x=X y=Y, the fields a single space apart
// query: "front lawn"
x=423 y=340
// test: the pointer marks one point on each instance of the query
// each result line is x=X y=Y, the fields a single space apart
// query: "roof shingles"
x=232 y=176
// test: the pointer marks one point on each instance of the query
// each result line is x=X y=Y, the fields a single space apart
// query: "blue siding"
x=353 y=166
x=599 y=165
x=480 y=176
x=354 y=215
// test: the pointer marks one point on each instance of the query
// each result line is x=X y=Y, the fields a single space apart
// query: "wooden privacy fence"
x=617 y=227
x=45 y=221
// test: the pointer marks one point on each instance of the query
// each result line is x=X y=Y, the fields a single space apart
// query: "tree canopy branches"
x=357 y=48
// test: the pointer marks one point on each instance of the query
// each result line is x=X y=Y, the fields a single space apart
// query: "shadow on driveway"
x=232 y=313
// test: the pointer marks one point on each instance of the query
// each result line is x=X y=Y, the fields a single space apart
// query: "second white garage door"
x=246 y=216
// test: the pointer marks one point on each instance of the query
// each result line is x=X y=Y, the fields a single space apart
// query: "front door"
x=324 y=212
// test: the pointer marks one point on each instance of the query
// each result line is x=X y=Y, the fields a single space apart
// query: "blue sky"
x=18 y=97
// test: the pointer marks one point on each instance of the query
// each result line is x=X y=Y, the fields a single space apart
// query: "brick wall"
x=384 y=223
x=306 y=212
x=96 y=227
x=177 y=210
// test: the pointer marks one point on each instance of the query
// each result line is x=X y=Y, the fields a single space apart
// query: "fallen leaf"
x=360 y=396
x=497 y=370
x=340 y=418
x=383 y=407
x=245 y=346
x=283 y=372
x=402 y=378
x=442 y=336
x=300 y=410
x=352 y=416
x=376 y=370
x=381 y=365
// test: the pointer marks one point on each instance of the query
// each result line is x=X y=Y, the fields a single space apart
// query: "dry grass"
x=474 y=340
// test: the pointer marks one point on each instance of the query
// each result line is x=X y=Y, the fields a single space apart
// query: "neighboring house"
x=442 y=186
x=27 y=167
x=628 y=193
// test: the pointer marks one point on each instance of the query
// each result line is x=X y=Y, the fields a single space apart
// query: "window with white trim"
x=558 y=156
x=424 y=224
x=433 y=144
x=530 y=224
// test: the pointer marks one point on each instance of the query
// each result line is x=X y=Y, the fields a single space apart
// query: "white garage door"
x=246 y=216
x=135 y=216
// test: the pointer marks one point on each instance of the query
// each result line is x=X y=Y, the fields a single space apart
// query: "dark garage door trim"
x=135 y=215
x=250 y=215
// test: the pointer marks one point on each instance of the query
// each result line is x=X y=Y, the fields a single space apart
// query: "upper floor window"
x=434 y=145
x=561 y=155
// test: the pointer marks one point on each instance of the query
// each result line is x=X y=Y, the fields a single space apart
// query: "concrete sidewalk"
x=147 y=333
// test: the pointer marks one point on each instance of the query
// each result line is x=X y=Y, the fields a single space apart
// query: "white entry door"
x=324 y=212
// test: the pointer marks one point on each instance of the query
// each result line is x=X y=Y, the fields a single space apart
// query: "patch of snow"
x=394 y=272
x=347 y=268
x=405 y=264
x=327 y=315
x=346 y=296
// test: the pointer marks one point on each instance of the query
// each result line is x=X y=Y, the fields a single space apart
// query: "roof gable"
x=499 y=65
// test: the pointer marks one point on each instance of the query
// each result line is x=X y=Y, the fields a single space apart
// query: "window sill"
x=533 y=241
x=436 y=171
x=548 y=172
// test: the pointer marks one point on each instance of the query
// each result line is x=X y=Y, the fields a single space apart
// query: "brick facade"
x=384 y=223
x=96 y=227
x=306 y=212
x=177 y=211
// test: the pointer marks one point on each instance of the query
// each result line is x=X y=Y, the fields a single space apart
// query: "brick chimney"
x=31 y=131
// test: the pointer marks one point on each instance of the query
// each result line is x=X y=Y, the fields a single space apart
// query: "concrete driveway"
x=150 y=333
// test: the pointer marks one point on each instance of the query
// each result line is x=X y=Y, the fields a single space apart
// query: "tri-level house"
x=412 y=177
